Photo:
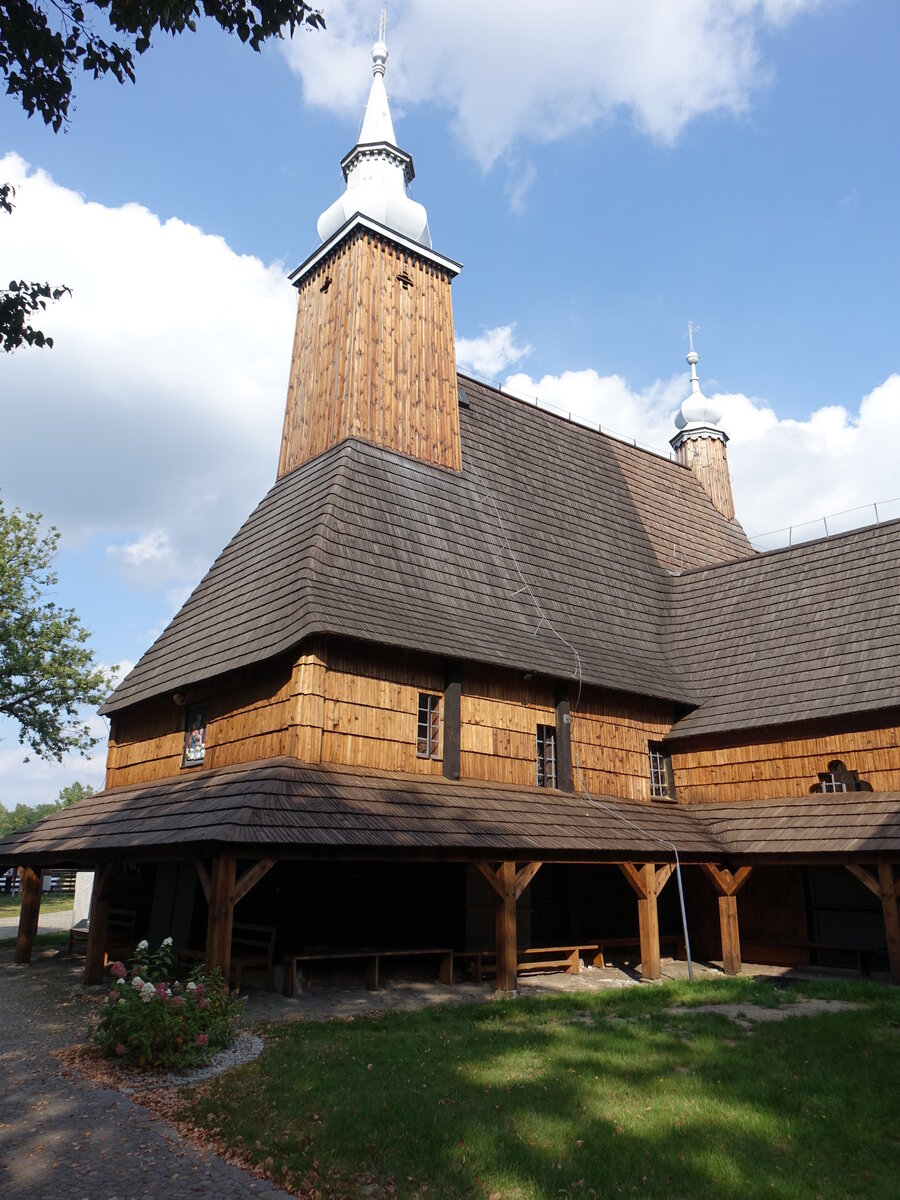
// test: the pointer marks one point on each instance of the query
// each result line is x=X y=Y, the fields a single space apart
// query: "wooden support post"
x=221 y=915
x=98 y=925
x=648 y=925
x=505 y=942
x=727 y=886
x=888 y=889
x=564 y=743
x=30 y=890
x=452 y=720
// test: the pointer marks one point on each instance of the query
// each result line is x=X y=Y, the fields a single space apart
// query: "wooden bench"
x=371 y=959
x=673 y=940
x=534 y=958
x=864 y=954
x=252 y=949
x=119 y=933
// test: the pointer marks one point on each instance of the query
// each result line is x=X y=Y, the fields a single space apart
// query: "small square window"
x=428 y=734
x=546 y=756
x=194 y=736
x=662 y=783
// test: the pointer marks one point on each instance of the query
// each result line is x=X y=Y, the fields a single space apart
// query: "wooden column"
x=508 y=885
x=889 y=887
x=563 y=743
x=647 y=882
x=98 y=926
x=30 y=889
x=221 y=915
x=727 y=886
x=452 y=720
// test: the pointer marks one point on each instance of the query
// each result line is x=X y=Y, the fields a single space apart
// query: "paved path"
x=48 y=922
x=64 y=1138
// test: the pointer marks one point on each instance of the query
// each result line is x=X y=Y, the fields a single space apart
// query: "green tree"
x=21 y=300
x=23 y=815
x=47 y=667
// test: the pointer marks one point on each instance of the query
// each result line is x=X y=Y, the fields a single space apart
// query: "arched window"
x=839 y=779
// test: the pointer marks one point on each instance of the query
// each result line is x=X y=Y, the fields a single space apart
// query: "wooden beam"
x=29 y=913
x=525 y=876
x=487 y=872
x=731 y=937
x=251 y=877
x=648 y=924
x=452 y=720
x=505 y=928
x=866 y=878
x=635 y=878
x=663 y=875
x=221 y=915
x=891 y=912
x=98 y=925
x=203 y=876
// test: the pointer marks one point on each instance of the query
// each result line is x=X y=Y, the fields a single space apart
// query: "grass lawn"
x=53 y=938
x=10 y=905
x=587 y=1094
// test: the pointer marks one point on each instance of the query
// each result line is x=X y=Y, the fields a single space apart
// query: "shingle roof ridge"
x=597 y=431
x=764 y=556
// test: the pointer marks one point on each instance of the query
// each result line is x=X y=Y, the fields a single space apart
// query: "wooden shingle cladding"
x=282 y=807
x=787 y=761
x=371 y=544
x=811 y=632
x=374 y=355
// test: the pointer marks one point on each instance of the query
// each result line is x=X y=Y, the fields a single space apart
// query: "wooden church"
x=448 y=692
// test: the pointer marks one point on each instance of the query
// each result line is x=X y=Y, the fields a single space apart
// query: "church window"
x=194 y=736
x=662 y=781
x=839 y=779
x=546 y=756
x=428 y=735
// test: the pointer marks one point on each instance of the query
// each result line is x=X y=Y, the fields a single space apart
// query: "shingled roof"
x=367 y=543
x=283 y=804
x=796 y=634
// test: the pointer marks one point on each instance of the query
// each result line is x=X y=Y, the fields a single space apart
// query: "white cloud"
x=154 y=421
x=491 y=353
x=785 y=472
x=513 y=70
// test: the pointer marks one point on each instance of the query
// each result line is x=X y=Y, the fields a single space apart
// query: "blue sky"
x=603 y=179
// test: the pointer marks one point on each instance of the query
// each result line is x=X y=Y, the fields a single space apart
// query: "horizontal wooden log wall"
x=253 y=716
x=499 y=714
x=610 y=737
x=370 y=710
x=374 y=356
x=790 y=767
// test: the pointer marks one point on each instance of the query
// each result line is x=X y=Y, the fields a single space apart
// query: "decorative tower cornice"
x=699 y=444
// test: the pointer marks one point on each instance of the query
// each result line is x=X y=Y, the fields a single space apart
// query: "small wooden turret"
x=699 y=444
x=374 y=354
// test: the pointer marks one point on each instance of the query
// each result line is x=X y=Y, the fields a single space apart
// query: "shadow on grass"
x=587 y=1094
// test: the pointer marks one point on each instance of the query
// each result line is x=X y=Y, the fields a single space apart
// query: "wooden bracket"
x=525 y=876
x=663 y=875
x=866 y=878
x=636 y=878
x=726 y=883
x=487 y=872
x=251 y=877
x=203 y=876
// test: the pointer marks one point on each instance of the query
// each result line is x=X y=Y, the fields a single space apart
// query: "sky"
x=605 y=172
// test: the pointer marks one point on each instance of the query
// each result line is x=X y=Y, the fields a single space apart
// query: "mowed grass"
x=53 y=938
x=10 y=905
x=588 y=1094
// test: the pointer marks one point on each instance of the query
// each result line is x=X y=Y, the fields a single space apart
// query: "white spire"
x=377 y=171
x=697 y=412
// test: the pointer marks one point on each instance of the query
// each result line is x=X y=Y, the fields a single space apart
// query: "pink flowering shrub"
x=151 y=1019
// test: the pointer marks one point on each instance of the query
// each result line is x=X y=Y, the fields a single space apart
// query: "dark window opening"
x=404 y=281
x=662 y=780
x=194 y=735
x=546 y=756
x=839 y=779
x=428 y=735
x=326 y=284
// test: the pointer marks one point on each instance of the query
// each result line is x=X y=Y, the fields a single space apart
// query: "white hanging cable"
x=545 y=620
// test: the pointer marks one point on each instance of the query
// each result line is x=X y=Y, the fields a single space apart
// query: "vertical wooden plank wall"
x=789 y=767
x=374 y=356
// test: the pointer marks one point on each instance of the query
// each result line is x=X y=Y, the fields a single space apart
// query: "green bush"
x=152 y=1022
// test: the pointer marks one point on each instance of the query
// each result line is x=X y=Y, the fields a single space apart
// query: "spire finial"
x=696 y=411
x=379 y=50
x=693 y=358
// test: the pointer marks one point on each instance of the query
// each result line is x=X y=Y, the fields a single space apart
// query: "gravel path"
x=65 y=1138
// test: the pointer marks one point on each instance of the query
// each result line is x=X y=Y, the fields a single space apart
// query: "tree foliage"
x=21 y=300
x=23 y=815
x=43 y=43
x=47 y=668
